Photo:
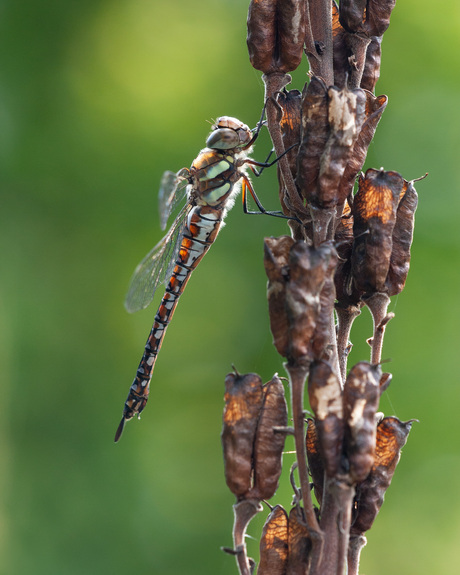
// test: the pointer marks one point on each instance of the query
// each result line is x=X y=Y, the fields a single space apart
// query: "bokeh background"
x=97 y=98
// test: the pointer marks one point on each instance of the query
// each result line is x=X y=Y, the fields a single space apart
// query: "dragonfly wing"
x=173 y=189
x=156 y=267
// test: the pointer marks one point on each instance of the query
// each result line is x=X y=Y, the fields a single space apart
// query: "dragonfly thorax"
x=229 y=133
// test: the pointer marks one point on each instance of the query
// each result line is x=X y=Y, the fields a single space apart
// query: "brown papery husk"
x=374 y=108
x=352 y=14
x=261 y=38
x=402 y=240
x=307 y=272
x=276 y=33
x=276 y=258
x=322 y=340
x=314 y=132
x=392 y=435
x=371 y=72
x=292 y=16
x=361 y=395
x=269 y=444
x=243 y=402
x=374 y=215
x=346 y=114
x=274 y=543
x=325 y=395
x=378 y=14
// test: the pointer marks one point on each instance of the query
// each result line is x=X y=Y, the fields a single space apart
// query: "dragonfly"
x=209 y=186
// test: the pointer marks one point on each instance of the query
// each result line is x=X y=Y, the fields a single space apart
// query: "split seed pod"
x=325 y=395
x=361 y=395
x=374 y=214
x=274 y=543
x=392 y=435
x=276 y=33
x=252 y=448
x=243 y=402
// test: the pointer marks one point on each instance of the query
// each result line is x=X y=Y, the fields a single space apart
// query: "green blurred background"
x=96 y=100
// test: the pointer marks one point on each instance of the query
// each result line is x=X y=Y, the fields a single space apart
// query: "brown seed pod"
x=274 y=543
x=361 y=396
x=371 y=72
x=315 y=132
x=374 y=109
x=325 y=395
x=276 y=32
x=374 y=215
x=346 y=114
x=276 y=257
x=299 y=543
x=392 y=435
x=315 y=460
x=346 y=293
x=321 y=344
x=307 y=273
x=269 y=444
x=378 y=14
x=352 y=14
x=243 y=402
x=402 y=240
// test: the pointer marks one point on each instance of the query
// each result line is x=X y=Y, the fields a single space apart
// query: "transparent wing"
x=173 y=189
x=156 y=267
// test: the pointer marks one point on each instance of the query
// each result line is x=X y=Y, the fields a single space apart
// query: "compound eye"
x=223 y=139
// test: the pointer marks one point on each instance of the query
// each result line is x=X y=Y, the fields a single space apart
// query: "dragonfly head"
x=229 y=133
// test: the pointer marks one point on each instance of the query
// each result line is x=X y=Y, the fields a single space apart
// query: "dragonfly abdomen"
x=203 y=225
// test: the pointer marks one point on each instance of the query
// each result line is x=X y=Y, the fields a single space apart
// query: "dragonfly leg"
x=246 y=185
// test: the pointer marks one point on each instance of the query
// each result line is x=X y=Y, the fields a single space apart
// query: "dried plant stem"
x=297 y=377
x=243 y=511
x=345 y=318
x=335 y=521
x=321 y=24
x=357 y=44
x=357 y=542
x=378 y=305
